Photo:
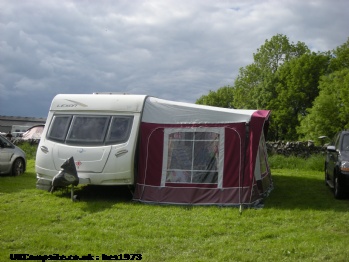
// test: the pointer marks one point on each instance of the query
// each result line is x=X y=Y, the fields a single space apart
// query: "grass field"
x=301 y=221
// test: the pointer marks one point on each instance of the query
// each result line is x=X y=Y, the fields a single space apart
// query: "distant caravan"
x=170 y=152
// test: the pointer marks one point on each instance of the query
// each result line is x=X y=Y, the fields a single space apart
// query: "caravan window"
x=90 y=129
x=192 y=156
x=59 y=128
x=120 y=129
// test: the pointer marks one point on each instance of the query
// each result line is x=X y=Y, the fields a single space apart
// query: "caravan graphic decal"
x=74 y=104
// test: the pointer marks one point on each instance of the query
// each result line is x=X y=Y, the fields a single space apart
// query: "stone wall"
x=299 y=148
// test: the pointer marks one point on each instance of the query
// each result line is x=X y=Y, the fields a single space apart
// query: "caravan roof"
x=98 y=102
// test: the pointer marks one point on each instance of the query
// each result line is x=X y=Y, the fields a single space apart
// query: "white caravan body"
x=99 y=130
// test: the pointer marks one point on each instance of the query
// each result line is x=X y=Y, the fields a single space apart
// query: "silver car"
x=12 y=158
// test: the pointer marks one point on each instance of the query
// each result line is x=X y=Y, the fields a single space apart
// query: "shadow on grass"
x=98 y=198
x=105 y=193
x=295 y=192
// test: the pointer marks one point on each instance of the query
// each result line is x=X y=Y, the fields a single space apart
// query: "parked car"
x=12 y=158
x=337 y=165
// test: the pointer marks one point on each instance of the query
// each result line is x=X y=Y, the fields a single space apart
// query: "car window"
x=5 y=143
x=337 y=140
x=345 y=142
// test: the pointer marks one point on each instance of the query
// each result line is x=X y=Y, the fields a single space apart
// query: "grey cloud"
x=175 y=50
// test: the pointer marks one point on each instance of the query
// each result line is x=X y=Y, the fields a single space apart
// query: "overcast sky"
x=172 y=49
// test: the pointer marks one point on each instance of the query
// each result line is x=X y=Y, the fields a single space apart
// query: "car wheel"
x=338 y=191
x=18 y=167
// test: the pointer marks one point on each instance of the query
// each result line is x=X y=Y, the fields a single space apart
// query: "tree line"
x=307 y=92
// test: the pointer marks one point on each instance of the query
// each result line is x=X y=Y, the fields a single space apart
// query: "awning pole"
x=243 y=165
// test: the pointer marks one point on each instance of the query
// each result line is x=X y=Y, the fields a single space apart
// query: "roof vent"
x=110 y=93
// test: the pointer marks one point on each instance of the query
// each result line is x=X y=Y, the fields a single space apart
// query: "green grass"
x=28 y=148
x=301 y=221
x=314 y=162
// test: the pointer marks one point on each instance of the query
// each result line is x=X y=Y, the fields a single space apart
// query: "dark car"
x=337 y=165
x=12 y=158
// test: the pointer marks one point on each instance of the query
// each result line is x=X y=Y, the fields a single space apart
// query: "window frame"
x=219 y=161
x=105 y=138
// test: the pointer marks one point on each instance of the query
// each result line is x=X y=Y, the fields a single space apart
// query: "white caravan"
x=99 y=130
